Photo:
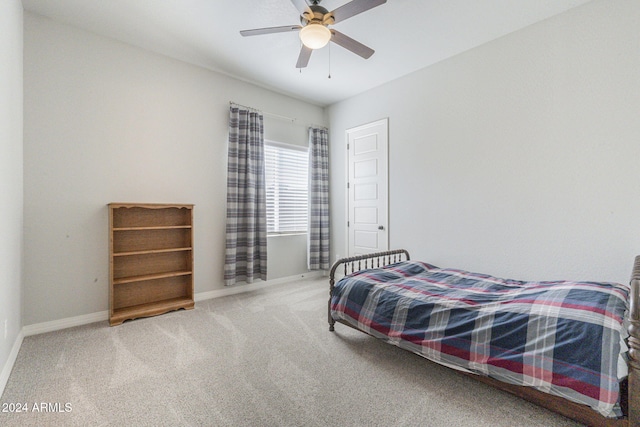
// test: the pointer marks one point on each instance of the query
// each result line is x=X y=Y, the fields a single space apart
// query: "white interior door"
x=367 y=225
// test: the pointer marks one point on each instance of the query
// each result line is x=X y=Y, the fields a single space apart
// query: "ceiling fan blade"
x=303 y=58
x=350 y=44
x=270 y=30
x=302 y=7
x=354 y=7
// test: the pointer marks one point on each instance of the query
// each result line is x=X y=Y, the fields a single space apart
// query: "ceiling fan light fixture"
x=315 y=36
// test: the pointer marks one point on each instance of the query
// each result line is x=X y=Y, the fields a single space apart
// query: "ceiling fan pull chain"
x=329 y=60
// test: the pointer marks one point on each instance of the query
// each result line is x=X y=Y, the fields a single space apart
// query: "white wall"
x=108 y=122
x=518 y=158
x=10 y=181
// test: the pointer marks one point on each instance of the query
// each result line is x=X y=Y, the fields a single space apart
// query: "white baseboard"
x=69 y=322
x=238 y=289
x=56 y=325
x=8 y=366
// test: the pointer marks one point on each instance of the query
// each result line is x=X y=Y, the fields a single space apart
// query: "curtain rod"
x=266 y=113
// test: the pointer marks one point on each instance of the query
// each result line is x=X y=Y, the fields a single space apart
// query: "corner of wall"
x=8 y=366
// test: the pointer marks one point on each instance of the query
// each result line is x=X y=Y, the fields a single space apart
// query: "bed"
x=571 y=347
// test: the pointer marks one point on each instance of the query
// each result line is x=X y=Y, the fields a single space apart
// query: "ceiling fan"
x=315 y=32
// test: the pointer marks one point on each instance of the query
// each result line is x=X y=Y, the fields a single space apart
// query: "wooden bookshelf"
x=150 y=260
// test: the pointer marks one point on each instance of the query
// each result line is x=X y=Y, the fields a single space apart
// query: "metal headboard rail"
x=372 y=260
x=360 y=262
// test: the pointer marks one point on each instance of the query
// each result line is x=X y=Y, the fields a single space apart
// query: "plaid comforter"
x=562 y=338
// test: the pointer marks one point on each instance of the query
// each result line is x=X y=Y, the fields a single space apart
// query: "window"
x=286 y=171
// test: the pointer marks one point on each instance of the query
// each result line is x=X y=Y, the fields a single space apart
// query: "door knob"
x=380 y=227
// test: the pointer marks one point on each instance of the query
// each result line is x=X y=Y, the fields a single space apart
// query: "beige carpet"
x=264 y=358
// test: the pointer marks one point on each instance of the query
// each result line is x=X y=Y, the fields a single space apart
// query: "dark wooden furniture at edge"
x=630 y=398
x=150 y=259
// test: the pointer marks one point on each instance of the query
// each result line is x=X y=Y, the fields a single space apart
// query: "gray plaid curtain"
x=318 y=240
x=246 y=235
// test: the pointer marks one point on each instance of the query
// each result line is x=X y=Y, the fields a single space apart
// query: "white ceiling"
x=406 y=34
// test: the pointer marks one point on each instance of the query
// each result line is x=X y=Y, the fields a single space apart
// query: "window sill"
x=293 y=233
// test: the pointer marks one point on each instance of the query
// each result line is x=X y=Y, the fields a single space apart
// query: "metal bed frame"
x=629 y=388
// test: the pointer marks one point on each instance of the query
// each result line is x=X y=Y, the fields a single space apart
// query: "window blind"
x=286 y=173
